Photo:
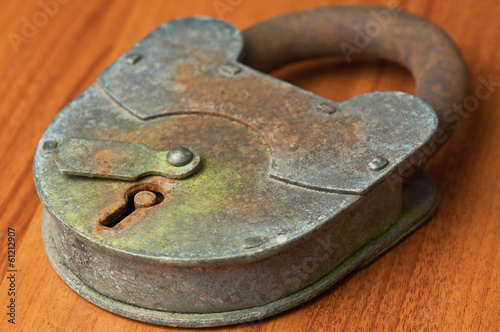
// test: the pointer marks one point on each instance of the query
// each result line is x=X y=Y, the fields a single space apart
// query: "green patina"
x=206 y=193
x=197 y=200
x=233 y=163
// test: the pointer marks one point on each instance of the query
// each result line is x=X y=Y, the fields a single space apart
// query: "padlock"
x=186 y=187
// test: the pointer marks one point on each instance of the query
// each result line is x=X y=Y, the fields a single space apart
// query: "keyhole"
x=140 y=198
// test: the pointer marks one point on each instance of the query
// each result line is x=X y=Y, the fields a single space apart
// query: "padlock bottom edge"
x=419 y=202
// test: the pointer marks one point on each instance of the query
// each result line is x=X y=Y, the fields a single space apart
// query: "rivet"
x=326 y=108
x=133 y=58
x=378 y=164
x=252 y=242
x=49 y=146
x=144 y=199
x=179 y=156
x=230 y=69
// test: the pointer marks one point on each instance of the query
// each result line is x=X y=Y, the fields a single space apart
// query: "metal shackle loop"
x=422 y=47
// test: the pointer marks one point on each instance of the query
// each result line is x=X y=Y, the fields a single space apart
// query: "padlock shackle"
x=419 y=45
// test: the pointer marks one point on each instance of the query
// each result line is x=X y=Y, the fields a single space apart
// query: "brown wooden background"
x=443 y=277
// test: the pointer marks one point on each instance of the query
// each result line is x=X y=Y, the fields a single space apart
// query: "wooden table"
x=443 y=277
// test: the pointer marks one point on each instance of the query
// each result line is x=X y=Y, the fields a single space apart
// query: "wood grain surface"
x=444 y=277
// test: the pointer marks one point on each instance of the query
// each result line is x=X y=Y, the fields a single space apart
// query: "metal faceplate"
x=285 y=193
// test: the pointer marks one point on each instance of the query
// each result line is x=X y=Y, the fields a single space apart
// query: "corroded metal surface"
x=308 y=147
x=419 y=201
x=426 y=50
x=290 y=189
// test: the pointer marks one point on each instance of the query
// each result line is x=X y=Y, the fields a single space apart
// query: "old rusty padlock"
x=187 y=188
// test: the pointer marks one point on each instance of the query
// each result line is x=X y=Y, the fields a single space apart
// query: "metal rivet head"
x=326 y=108
x=378 y=164
x=133 y=58
x=179 y=156
x=49 y=146
x=230 y=69
x=144 y=199
x=252 y=242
